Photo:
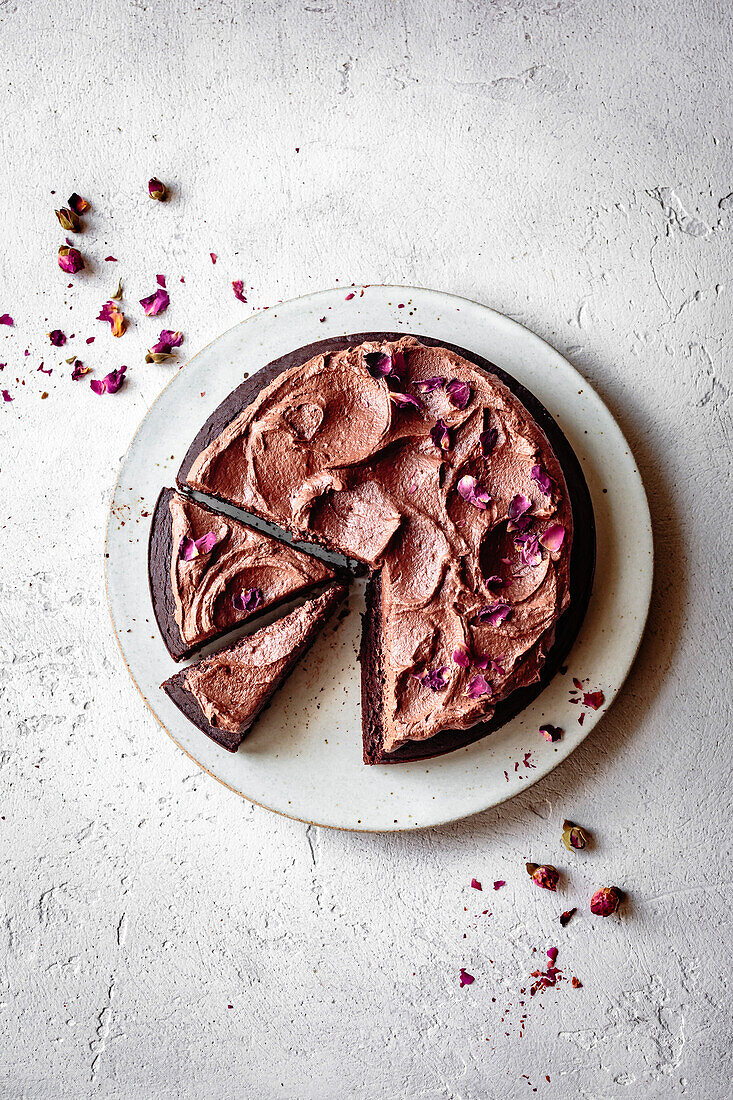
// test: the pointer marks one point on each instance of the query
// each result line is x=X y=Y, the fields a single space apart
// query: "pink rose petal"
x=70 y=259
x=488 y=441
x=214 y=257
x=113 y=315
x=440 y=435
x=552 y=538
x=494 y=581
x=57 y=337
x=110 y=383
x=495 y=613
x=6 y=396
x=518 y=505
x=529 y=549
x=543 y=480
x=461 y=656
x=238 y=288
x=459 y=393
x=499 y=883
x=405 y=400
x=472 y=492
x=465 y=978
x=248 y=600
x=593 y=699
x=6 y=319
x=435 y=679
x=475 y=884
x=378 y=363
x=155 y=303
x=478 y=686
x=428 y=385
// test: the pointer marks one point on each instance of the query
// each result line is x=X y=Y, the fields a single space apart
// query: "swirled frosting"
x=417 y=462
x=207 y=588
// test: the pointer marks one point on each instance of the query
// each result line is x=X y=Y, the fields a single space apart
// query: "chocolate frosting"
x=233 y=685
x=243 y=558
x=327 y=452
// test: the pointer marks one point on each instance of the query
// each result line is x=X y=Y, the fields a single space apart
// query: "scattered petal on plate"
x=79 y=370
x=110 y=383
x=567 y=916
x=551 y=733
x=593 y=699
x=6 y=396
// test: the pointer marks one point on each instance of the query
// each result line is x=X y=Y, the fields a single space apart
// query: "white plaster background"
x=566 y=161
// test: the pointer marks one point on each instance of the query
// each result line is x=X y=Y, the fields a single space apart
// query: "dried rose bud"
x=567 y=916
x=573 y=836
x=545 y=875
x=605 y=901
x=78 y=204
x=70 y=259
x=69 y=220
x=157 y=190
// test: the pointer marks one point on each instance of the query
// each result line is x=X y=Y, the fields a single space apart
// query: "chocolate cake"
x=458 y=491
x=224 y=694
x=209 y=573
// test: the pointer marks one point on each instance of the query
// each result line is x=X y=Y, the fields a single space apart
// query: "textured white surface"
x=566 y=161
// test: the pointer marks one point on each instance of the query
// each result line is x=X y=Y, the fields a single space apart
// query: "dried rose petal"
x=478 y=686
x=78 y=204
x=552 y=538
x=69 y=220
x=43 y=370
x=6 y=319
x=399 y=366
x=112 y=313
x=190 y=549
x=162 y=350
x=378 y=363
x=544 y=875
x=543 y=480
x=157 y=190
x=214 y=257
x=494 y=581
x=440 y=435
x=160 y=280
x=465 y=978
x=459 y=393
x=593 y=699
x=70 y=259
x=495 y=613
x=57 y=338
x=476 y=884
x=496 y=666
x=518 y=505
x=461 y=656
x=435 y=679
x=472 y=492
x=573 y=837
x=247 y=600
x=551 y=733
x=499 y=883
x=566 y=916
x=428 y=385
x=529 y=549
x=605 y=901
x=552 y=955
x=576 y=983
x=155 y=303
x=6 y=396
x=79 y=370
x=488 y=441
x=110 y=383
x=405 y=399
x=238 y=288
x=349 y=296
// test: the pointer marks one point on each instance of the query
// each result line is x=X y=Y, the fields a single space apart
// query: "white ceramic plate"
x=303 y=757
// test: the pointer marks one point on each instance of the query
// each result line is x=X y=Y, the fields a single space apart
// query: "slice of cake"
x=209 y=573
x=224 y=694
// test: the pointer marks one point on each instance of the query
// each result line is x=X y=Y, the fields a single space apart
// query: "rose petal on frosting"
x=499 y=883
x=155 y=303
x=529 y=549
x=495 y=581
x=472 y=492
x=478 y=686
x=378 y=363
x=187 y=549
x=461 y=656
x=488 y=441
x=496 y=665
x=112 y=313
x=56 y=336
x=428 y=385
x=206 y=543
x=551 y=733
x=70 y=259
x=495 y=613
x=459 y=393
x=405 y=399
x=238 y=288
x=476 y=884
x=247 y=600
x=465 y=978
x=6 y=319
x=543 y=480
x=518 y=505
x=440 y=435
x=593 y=699
x=552 y=538
x=435 y=678
x=399 y=366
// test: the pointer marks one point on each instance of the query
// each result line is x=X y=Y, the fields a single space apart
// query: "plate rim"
x=540 y=343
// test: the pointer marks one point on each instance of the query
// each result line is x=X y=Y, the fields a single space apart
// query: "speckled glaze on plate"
x=303 y=758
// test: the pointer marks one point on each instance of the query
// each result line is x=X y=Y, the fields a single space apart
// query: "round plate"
x=303 y=757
